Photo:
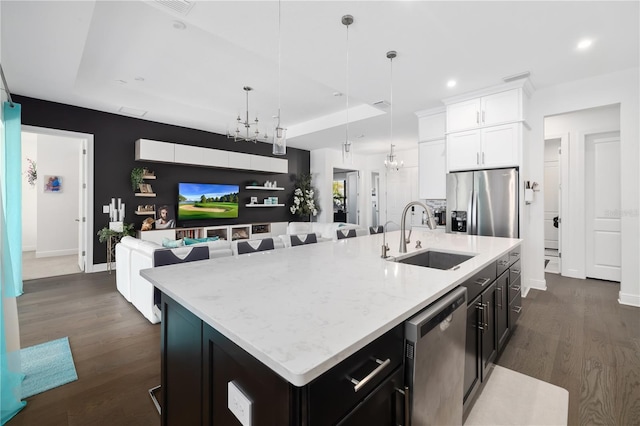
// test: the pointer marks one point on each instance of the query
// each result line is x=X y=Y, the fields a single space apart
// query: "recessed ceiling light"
x=584 y=44
x=451 y=83
x=179 y=25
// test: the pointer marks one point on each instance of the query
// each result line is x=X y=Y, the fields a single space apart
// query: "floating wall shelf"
x=264 y=205
x=265 y=188
x=145 y=194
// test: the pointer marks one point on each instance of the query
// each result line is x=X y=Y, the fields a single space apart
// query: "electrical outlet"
x=105 y=209
x=239 y=403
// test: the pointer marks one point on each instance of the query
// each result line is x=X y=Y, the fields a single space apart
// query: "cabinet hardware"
x=360 y=383
x=499 y=305
x=486 y=312
x=405 y=395
x=517 y=309
x=477 y=158
x=516 y=288
x=480 y=320
x=477 y=117
x=483 y=158
x=515 y=271
x=482 y=281
x=483 y=116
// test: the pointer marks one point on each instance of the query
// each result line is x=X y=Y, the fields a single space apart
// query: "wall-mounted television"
x=201 y=201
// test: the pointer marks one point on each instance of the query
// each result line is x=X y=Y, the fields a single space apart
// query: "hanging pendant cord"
x=6 y=87
x=279 y=62
x=391 y=109
x=347 y=77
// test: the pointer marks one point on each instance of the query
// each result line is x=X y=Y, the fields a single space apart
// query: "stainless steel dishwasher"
x=435 y=354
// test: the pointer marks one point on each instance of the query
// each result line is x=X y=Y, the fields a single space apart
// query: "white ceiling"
x=93 y=54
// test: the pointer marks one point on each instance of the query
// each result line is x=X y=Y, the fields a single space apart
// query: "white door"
x=353 y=214
x=551 y=191
x=82 y=215
x=602 y=203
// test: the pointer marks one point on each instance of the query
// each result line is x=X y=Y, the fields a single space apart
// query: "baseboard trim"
x=102 y=267
x=629 y=299
x=533 y=284
x=29 y=248
x=56 y=253
x=573 y=273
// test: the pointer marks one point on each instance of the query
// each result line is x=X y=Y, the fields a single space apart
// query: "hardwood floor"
x=577 y=336
x=115 y=349
x=574 y=335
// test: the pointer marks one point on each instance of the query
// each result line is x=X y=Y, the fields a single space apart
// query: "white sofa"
x=133 y=255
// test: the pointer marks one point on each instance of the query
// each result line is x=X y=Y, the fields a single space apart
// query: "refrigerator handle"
x=474 y=213
x=470 y=210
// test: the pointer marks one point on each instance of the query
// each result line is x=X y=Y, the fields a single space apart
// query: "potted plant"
x=105 y=233
x=305 y=201
x=137 y=177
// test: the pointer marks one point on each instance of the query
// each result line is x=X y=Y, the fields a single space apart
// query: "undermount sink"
x=435 y=259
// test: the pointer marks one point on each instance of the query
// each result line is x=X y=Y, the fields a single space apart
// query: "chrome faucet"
x=385 y=246
x=431 y=223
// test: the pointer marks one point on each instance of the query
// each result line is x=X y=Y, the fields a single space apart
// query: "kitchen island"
x=287 y=318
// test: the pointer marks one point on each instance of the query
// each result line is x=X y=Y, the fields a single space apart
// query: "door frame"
x=563 y=182
x=87 y=201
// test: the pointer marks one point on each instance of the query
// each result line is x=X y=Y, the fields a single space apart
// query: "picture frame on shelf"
x=165 y=217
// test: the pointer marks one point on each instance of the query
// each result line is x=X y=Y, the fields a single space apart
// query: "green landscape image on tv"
x=198 y=201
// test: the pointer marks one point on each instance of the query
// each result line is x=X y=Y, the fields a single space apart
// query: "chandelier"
x=279 y=133
x=391 y=163
x=346 y=146
x=249 y=135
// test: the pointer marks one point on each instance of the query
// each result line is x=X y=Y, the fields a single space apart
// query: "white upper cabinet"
x=431 y=124
x=502 y=107
x=432 y=170
x=486 y=148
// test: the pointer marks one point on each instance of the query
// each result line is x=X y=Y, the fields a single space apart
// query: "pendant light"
x=347 y=156
x=391 y=163
x=279 y=133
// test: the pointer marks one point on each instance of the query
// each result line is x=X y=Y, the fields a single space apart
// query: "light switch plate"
x=105 y=209
x=239 y=403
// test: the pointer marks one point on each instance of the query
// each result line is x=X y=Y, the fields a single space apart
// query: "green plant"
x=105 y=233
x=305 y=201
x=137 y=177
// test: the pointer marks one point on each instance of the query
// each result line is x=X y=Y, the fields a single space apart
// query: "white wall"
x=578 y=124
x=57 y=212
x=620 y=87
x=29 y=193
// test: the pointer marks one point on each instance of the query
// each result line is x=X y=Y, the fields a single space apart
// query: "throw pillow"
x=166 y=242
x=191 y=241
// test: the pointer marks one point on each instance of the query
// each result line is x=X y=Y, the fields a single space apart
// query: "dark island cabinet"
x=198 y=363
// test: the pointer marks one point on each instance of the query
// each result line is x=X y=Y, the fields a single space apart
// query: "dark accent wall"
x=114 y=157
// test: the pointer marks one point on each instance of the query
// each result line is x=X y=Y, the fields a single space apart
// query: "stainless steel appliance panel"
x=435 y=357
x=496 y=203
x=459 y=196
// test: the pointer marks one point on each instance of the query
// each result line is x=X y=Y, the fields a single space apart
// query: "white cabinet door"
x=499 y=146
x=463 y=150
x=432 y=127
x=432 y=170
x=500 y=108
x=463 y=115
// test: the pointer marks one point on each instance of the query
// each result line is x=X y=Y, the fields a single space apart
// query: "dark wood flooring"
x=577 y=336
x=574 y=335
x=115 y=349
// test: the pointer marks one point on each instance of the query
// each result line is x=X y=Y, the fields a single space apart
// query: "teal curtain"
x=10 y=249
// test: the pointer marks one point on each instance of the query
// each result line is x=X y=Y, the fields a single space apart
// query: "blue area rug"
x=47 y=366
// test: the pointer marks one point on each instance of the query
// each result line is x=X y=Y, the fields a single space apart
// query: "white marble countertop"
x=302 y=310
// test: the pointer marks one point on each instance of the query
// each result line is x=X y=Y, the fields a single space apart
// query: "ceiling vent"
x=183 y=7
x=132 y=111
x=514 y=77
x=382 y=104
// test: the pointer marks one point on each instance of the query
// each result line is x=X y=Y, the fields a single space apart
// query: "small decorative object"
x=52 y=183
x=31 y=173
x=116 y=210
x=147 y=224
x=305 y=201
x=267 y=200
x=275 y=184
x=116 y=226
x=165 y=217
x=254 y=200
x=147 y=172
x=105 y=233
x=267 y=184
x=274 y=200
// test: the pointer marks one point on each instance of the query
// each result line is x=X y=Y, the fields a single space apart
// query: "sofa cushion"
x=166 y=242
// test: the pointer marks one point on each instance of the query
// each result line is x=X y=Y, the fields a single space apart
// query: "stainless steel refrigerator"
x=483 y=202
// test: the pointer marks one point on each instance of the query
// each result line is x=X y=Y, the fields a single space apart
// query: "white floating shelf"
x=145 y=194
x=265 y=188
x=149 y=177
x=144 y=213
x=264 y=205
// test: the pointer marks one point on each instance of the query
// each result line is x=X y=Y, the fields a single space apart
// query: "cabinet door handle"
x=405 y=392
x=486 y=312
x=482 y=281
x=480 y=319
x=360 y=383
x=515 y=271
x=499 y=305
x=483 y=116
x=516 y=288
x=477 y=117
x=517 y=309
x=477 y=158
x=483 y=158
